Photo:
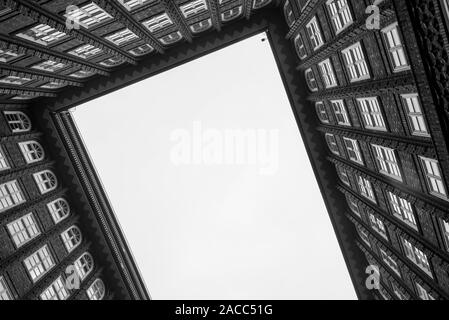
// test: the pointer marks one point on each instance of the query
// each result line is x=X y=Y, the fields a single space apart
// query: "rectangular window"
x=390 y=262
x=10 y=195
x=354 y=207
x=434 y=178
x=387 y=162
x=327 y=72
x=366 y=188
x=402 y=209
x=158 y=23
x=81 y=74
x=445 y=231
x=5 y=293
x=364 y=235
x=340 y=14
x=378 y=226
x=8 y=55
x=395 y=48
x=356 y=63
x=39 y=263
x=416 y=119
x=23 y=230
x=417 y=257
x=42 y=34
x=398 y=292
x=122 y=37
x=88 y=16
x=372 y=114
x=344 y=176
x=385 y=295
x=133 y=4
x=352 y=146
x=314 y=33
x=53 y=85
x=340 y=112
x=85 y=51
x=49 y=66
x=422 y=293
x=14 y=80
x=193 y=8
x=56 y=291
x=3 y=162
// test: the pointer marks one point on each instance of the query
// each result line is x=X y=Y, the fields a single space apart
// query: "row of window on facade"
x=41 y=262
x=411 y=252
x=388 y=165
x=354 y=59
x=91 y=15
x=403 y=210
x=372 y=114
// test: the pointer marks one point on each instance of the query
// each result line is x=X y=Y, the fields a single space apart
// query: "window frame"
x=41 y=182
x=339 y=108
x=417 y=256
x=330 y=144
x=336 y=14
x=23 y=120
x=5 y=291
x=71 y=241
x=432 y=175
x=355 y=62
x=403 y=210
x=23 y=230
x=395 y=48
x=378 y=225
x=55 y=212
x=315 y=34
x=354 y=148
x=300 y=46
x=366 y=189
x=328 y=74
x=41 y=266
x=310 y=81
x=92 y=291
x=387 y=162
x=372 y=119
x=419 y=128
x=321 y=110
x=57 y=289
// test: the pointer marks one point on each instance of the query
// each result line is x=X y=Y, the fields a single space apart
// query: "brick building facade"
x=367 y=84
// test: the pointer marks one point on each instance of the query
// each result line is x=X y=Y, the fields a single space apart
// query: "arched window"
x=72 y=238
x=332 y=143
x=231 y=14
x=288 y=13
x=300 y=48
x=32 y=151
x=59 y=210
x=46 y=181
x=321 y=111
x=311 y=80
x=18 y=121
x=201 y=26
x=97 y=290
x=171 y=38
x=84 y=265
x=257 y=4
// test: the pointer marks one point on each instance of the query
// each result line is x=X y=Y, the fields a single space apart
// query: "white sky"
x=215 y=231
